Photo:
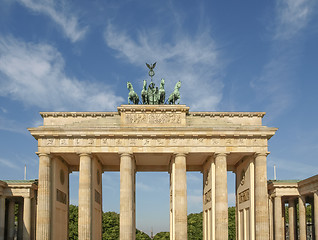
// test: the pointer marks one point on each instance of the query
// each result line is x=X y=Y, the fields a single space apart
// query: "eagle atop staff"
x=151 y=67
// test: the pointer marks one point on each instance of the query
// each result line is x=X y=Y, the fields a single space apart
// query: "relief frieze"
x=207 y=197
x=244 y=196
x=153 y=118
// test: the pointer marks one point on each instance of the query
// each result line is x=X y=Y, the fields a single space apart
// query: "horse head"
x=129 y=85
x=178 y=85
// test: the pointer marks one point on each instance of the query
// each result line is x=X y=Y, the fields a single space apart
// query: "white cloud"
x=192 y=59
x=292 y=17
x=57 y=10
x=231 y=199
x=9 y=164
x=34 y=74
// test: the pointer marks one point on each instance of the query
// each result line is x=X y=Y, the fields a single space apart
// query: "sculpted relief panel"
x=159 y=141
x=152 y=118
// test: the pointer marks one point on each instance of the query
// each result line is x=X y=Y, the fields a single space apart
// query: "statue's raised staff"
x=132 y=96
x=175 y=95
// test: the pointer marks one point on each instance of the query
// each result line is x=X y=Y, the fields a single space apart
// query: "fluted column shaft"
x=291 y=219
x=2 y=216
x=261 y=206
x=180 y=227
x=302 y=218
x=27 y=218
x=316 y=214
x=221 y=202
x=44 y=214
x=10 y=231
x=85 y=198
x=127 y=192
x=278 y=218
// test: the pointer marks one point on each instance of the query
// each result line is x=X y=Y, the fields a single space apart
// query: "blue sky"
x=230 y=56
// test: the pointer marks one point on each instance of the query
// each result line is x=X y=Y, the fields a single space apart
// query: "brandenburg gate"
x=166 y=138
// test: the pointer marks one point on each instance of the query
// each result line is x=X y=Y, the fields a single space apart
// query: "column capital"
x=125 y=154
x=180 y=154
x=261 y=154
x=221 y=154
x=43 y=154
x=82 y=154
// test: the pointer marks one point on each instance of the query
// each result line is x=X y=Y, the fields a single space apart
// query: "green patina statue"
x=132 y=96
x=175 y=95
x=153 y=95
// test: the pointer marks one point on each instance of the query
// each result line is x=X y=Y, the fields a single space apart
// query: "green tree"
x=195 y=226
x=162 y=236
x=141 y=235
x=110 y=225
x=73 y=222
x=231 y=226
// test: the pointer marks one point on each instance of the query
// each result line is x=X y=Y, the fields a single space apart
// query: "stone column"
x=180 y=186
x=292 y=220
x=11 y=215
x=2 y=216
x=271 y=218
x=278 y=227
x=44 y=214
x=127 y=191
x=221 y=202
x=20 y=220
x=85 y=198
x=302 y=218
x=27 y=218
x=261 y=207
x=315 y=216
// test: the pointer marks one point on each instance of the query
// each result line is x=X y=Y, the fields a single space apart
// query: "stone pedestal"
x=221 y=202
x=127 y=197
x=261 y=207
x=27 y=221
x=302 y=218
x=44 y=198
x=85 y=198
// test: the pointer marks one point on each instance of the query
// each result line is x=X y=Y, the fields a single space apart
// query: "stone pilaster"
x=2 y=216
x=221 y=202
x=44 y=198
x=11 y=228
x=302 y=218
x=27 y=221
x=85 y=198
x=292 y=220
x=271 y=218
x=278 y=218
x=127 y=193
x=180 y=195
x=316 y=214
x=261 y=207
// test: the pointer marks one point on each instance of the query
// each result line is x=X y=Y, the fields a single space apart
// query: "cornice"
x=77 y=114
x=228 y=114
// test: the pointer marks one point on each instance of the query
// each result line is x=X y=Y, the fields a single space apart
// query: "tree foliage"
x=110 y=226
x=195 y=226
x=162 y=236
x=231 y=215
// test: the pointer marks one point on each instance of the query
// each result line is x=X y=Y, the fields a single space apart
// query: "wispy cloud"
x=192 y=59
x=9 y=163
x=143 y=187
x=34 y=74
x=292 y=17
x=275 y=83
x=59 y=12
